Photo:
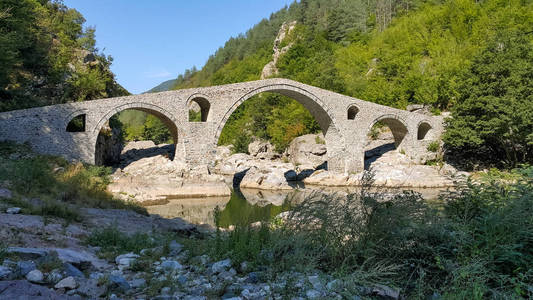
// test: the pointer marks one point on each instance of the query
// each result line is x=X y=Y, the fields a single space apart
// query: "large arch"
x=399 y=130
x=318 y=109
x=166 y=117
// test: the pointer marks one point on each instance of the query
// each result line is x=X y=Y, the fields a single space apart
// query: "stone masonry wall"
x=44 y=128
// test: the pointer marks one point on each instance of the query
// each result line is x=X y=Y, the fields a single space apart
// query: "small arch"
x=352 y=112
x=77 y=124
x=198 y=108
x=424 y=131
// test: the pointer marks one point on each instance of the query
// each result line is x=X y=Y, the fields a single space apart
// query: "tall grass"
x=480 y=245
x=61 y=187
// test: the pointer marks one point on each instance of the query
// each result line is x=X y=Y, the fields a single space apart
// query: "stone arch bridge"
x=345 y=122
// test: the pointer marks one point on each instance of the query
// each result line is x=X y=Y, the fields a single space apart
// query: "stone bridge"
x=345 y=122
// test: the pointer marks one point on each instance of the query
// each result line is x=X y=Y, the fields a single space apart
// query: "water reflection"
x=247 y=205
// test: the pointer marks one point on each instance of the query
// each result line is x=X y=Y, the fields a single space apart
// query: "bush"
x=477 y=246
x=433 y=146
x=114 y=242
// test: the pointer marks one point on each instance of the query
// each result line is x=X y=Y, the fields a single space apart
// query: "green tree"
x=495 y=110
x=156 y=130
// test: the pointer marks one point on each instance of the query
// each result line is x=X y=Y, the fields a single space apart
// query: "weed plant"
x=478 y=246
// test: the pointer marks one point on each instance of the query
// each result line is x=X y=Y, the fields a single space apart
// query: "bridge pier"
x=344 y=120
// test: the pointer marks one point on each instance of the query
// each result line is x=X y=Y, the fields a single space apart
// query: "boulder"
x=6 y=273
x=125 y=260
x=90 y=289
x=25 y=267
x=27 y=253
x=118 y=283
x=171 y=265
x=22 y=289
x=71 y=270
x=308 y=150
x=269 y=178
x=220 y=266
x=13 y=210
x=35 y=276
x=68 y=283
x=5 y=193
x=261 y=150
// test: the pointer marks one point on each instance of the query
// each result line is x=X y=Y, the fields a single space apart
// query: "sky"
x=156 y=40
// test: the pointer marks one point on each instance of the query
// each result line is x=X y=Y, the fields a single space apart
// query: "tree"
x=156 y=130
x=495 y=110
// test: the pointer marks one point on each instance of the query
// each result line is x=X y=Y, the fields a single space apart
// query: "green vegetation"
x=470 y=57
x=494 y=114
x=114 y=242
x=476 y=246
x=59 y=187
x=47 y=57
x=138 y=126
x=434 y=146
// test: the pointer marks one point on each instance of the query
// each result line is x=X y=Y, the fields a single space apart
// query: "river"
x=248 y=205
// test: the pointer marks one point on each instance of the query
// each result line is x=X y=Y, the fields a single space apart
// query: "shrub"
x=433 y=146
x=113 y=242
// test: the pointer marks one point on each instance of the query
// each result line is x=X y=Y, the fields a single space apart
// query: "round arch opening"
x=198 y=107
x=424 y=131
x=132 y=134
x=384 y=136
x=302 y=113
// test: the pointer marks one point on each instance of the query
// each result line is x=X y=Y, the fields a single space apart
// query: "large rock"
x=5 y=193
x=69 y=283
x=274 y=177
x=235 y=163
x=262 y=150
x=308 y=150
x=35 y=276
x=22 y=289
x=155 y=178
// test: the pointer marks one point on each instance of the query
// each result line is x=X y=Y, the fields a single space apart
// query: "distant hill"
x=164 y=86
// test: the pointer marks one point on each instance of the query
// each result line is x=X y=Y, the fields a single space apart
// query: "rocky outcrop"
x=272 y=176
x=392 y=169
x=270 y=69
x=308 y=151
x=262 y=150
x=148 y=175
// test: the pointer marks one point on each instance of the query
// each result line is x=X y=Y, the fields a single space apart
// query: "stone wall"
x=44 y=128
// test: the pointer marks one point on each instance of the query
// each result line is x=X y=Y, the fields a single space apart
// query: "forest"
x=49 y=57
x=472 y=58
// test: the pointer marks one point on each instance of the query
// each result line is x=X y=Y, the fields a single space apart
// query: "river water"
x=248 y=205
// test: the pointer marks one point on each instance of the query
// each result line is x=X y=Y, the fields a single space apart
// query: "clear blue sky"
x=155 y=40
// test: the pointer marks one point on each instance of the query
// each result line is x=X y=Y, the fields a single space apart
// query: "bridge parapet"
x=344 y=120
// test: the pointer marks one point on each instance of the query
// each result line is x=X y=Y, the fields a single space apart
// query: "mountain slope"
x=47 y=57
x=164 y=86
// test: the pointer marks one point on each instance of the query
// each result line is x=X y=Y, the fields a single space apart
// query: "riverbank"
x=366 y=245
x=147 y=175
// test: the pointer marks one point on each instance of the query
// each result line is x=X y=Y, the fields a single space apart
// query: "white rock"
x=126 y=260
x=35 y=276
x=13 y=210
x=171 y=265
x=67 y=283
x=221 y=265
